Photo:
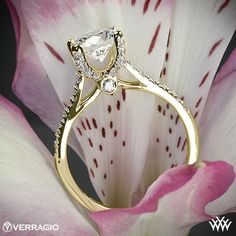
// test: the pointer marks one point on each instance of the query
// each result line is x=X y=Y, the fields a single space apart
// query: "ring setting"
x=99 y=56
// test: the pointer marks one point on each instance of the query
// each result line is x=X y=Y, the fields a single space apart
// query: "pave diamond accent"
x=160 y=85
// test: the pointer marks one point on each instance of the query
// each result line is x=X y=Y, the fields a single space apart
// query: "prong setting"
x=106 y=46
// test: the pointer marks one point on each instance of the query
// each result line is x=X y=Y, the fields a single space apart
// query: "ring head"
x=99 y=55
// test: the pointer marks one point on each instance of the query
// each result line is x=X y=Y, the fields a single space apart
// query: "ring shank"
x=146 y=86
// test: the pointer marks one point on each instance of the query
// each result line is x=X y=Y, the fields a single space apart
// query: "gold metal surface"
x=77 y=106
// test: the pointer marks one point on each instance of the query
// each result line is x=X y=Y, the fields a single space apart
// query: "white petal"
x=199 y=34
x=30 y=191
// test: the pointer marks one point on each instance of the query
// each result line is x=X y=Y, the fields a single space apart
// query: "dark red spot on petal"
x=170 y=155
x=225 y=3
x=171 y=116
x=170 y=130
x=159 y=108
x=198 y=102
x=83 y=125
x=118 y=105
x=178 y=143
x=88 y=124
x=195 y=115
x=164 y=112
x=105 y=176
x=92 y=173
x=167 y=148
x=213 y=48
x=123 y=143
x=54 y=52
x=203 y=79
x=90 y=142
x=145 y=6
x=167 y=105
x=182 y=98
x=109 y=108
x=164 y=71
x=100 y=147
x=103 y=132
x=103 y=193
x=161 y=74
x=168 y=40
x=177 y=119
x=185 y=141
x=157 y=4
x=154 y=39
x=167 y=56
x=157 y=140
x=172 y=166
x=123 y=94
x=115 y=133
x=94 y=123
x=133 y=2
x=95 y=162
x=111 y=162
x=80 y=132
x=111 y=124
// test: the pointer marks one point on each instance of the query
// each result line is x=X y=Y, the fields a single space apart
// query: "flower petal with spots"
x=129 y=139
x=200 y=32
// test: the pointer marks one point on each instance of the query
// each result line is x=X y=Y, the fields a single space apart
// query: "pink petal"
x=227 y=68
x=31 y=83
x=218 y=129
x=175 y=202
x=30 y=191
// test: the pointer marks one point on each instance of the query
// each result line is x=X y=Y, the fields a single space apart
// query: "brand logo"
x=220 y=224
x=8 y=227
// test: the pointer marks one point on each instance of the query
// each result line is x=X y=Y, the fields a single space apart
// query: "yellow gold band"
x=79 y=104
x=104 y=77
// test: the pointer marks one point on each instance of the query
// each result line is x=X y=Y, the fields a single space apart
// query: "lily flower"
x=133 y=144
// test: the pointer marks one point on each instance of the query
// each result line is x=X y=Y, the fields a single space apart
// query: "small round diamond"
x=108 y=85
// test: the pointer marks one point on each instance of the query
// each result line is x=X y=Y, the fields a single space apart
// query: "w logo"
x=220 y=224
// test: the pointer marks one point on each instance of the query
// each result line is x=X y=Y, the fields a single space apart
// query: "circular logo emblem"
x=7 y=227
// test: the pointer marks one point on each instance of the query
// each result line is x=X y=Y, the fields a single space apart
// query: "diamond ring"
x=99 y=56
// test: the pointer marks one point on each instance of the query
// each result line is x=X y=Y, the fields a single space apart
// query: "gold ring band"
x=79 y=103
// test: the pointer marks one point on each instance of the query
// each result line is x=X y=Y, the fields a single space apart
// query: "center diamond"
x=99 y=49
x=99 y=54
